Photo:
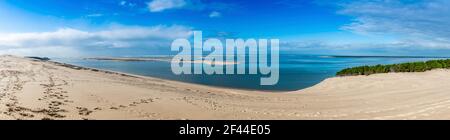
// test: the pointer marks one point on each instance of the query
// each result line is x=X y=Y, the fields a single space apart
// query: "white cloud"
x=123 y=3
x=161 y=5
x=214 y=14
x=71 y=39
x=363 y=48
x=424 y=23
x=95 y=15
x=51 y=51
x=126 y=3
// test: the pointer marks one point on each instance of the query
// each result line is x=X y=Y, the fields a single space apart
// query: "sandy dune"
x=45 y=90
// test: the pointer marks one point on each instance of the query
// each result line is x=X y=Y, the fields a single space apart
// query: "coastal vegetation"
x=402 y=67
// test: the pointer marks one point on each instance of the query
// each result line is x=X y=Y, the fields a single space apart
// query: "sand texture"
x=32 y=89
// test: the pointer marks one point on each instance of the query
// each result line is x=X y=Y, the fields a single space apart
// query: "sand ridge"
x=32 y=89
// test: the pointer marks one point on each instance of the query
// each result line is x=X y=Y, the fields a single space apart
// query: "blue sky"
x=145 y=27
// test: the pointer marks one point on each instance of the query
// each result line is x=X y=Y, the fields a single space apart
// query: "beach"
x=35 y=90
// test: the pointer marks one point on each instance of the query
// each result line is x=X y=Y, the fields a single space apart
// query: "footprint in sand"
x=142 y=101
x=84 y=111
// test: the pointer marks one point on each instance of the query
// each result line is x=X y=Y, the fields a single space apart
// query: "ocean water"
x=296 y=71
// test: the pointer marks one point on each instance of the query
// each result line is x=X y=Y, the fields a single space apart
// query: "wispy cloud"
x=195 y=5
x=368 y=48
x=118 y=37
x=419 y=23
x=123 y=3
x=215 y=14
x=161 y=5
x=95 y=15
x=127 y=3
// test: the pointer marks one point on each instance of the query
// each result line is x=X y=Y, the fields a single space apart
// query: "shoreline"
x=36 y=90
x=143 y=76
x=149 y=77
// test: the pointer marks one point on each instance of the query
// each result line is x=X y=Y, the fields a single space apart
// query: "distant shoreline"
x=374 y=56
x=130 y=59
x=125 y=59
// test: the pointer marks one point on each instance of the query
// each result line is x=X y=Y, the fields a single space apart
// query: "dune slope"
x=45 y=90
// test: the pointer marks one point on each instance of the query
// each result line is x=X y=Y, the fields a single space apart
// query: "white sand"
x=44 y=90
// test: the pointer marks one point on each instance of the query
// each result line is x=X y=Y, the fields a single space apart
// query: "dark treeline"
x=403 y=67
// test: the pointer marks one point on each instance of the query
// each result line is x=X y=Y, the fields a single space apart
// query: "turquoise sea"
x=296 y=71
